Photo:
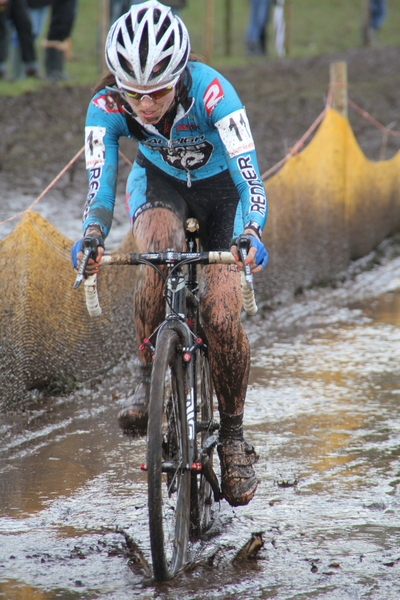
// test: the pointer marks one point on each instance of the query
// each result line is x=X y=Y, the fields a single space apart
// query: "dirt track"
x=41 y=132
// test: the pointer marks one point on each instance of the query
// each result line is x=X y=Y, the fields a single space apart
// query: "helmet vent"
x=141 y=14
x=171 y=40
x=181 y=65
x=157 y=15
x=144 y=47
x=129 y=27
x=125 y=65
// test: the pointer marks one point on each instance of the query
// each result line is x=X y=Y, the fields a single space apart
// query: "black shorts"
x=214 y=202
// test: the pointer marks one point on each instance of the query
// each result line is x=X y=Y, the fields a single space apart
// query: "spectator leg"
x=22 y=23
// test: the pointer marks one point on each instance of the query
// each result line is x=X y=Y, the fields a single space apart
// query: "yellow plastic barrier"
x=47 y=338
x=328 y=205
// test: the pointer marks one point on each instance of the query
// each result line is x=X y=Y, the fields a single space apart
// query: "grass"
x=313 y=27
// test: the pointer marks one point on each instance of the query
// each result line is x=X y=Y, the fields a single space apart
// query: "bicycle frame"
x=177 y=288
x=173 y=450
x=176 y=295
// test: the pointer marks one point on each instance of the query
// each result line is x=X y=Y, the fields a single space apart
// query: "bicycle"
x=182 y=433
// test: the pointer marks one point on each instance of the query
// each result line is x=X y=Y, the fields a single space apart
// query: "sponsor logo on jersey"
x=186 y=153
x=258 y=199
x=234 y=131
x=94 y=186
x=213 y=94
x=95 y=151
x=187 y=158
x=156 y=143
x=106 y=103
x=187 y=127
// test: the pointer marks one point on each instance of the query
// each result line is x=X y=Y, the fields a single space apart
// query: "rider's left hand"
x=257 y=257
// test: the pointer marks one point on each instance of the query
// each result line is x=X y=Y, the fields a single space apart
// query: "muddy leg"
x=229 y=353
x=221 y=304
x=155 y=230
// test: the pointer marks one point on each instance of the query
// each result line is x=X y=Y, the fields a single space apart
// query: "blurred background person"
x=377 y=14
x=17 y=13
x=374 y=13
x=257 y=29
x=58 y=40
x=38 y=11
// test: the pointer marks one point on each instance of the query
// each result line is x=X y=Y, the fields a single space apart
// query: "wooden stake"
x=365 y=22
x=288 y=15
x=338 y=86
x=104 y=27
x=209 y=32
x=228 y=27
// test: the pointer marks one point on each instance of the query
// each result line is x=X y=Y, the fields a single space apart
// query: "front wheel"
x=201 y=491
x=167 y=459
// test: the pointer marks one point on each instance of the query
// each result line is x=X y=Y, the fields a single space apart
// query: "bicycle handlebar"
x=167 y=258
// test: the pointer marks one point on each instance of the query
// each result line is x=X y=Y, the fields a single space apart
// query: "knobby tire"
x=168 y=493
x=201 y=492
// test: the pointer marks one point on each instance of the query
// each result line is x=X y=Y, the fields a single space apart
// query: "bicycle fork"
x=190 y=345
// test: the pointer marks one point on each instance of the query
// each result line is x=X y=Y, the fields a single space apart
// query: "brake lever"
x=89 y=247
x=243 y=246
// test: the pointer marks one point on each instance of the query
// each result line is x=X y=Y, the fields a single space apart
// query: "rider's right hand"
x=77 y=253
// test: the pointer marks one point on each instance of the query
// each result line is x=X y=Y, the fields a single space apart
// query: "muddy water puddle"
x=323 y=411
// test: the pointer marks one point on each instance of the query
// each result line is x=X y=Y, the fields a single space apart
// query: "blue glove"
x=261 y=257
x=77 y=247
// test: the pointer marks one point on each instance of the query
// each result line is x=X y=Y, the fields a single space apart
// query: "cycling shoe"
x=239 y=482
x=133 y=416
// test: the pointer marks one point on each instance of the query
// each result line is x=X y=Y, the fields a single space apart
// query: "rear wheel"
x=167 y=460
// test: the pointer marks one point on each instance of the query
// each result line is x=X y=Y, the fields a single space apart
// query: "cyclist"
x=195 y=158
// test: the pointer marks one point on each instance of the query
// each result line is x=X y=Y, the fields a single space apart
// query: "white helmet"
x=145 y=37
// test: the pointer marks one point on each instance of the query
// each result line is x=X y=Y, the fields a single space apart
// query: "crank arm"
x=211 y=477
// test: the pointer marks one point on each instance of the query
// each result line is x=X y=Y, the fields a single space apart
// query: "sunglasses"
x=153 y=95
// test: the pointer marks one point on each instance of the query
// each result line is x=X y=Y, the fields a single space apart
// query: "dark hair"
x=181 y=94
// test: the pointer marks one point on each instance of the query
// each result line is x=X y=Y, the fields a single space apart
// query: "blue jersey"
x=210 y=136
